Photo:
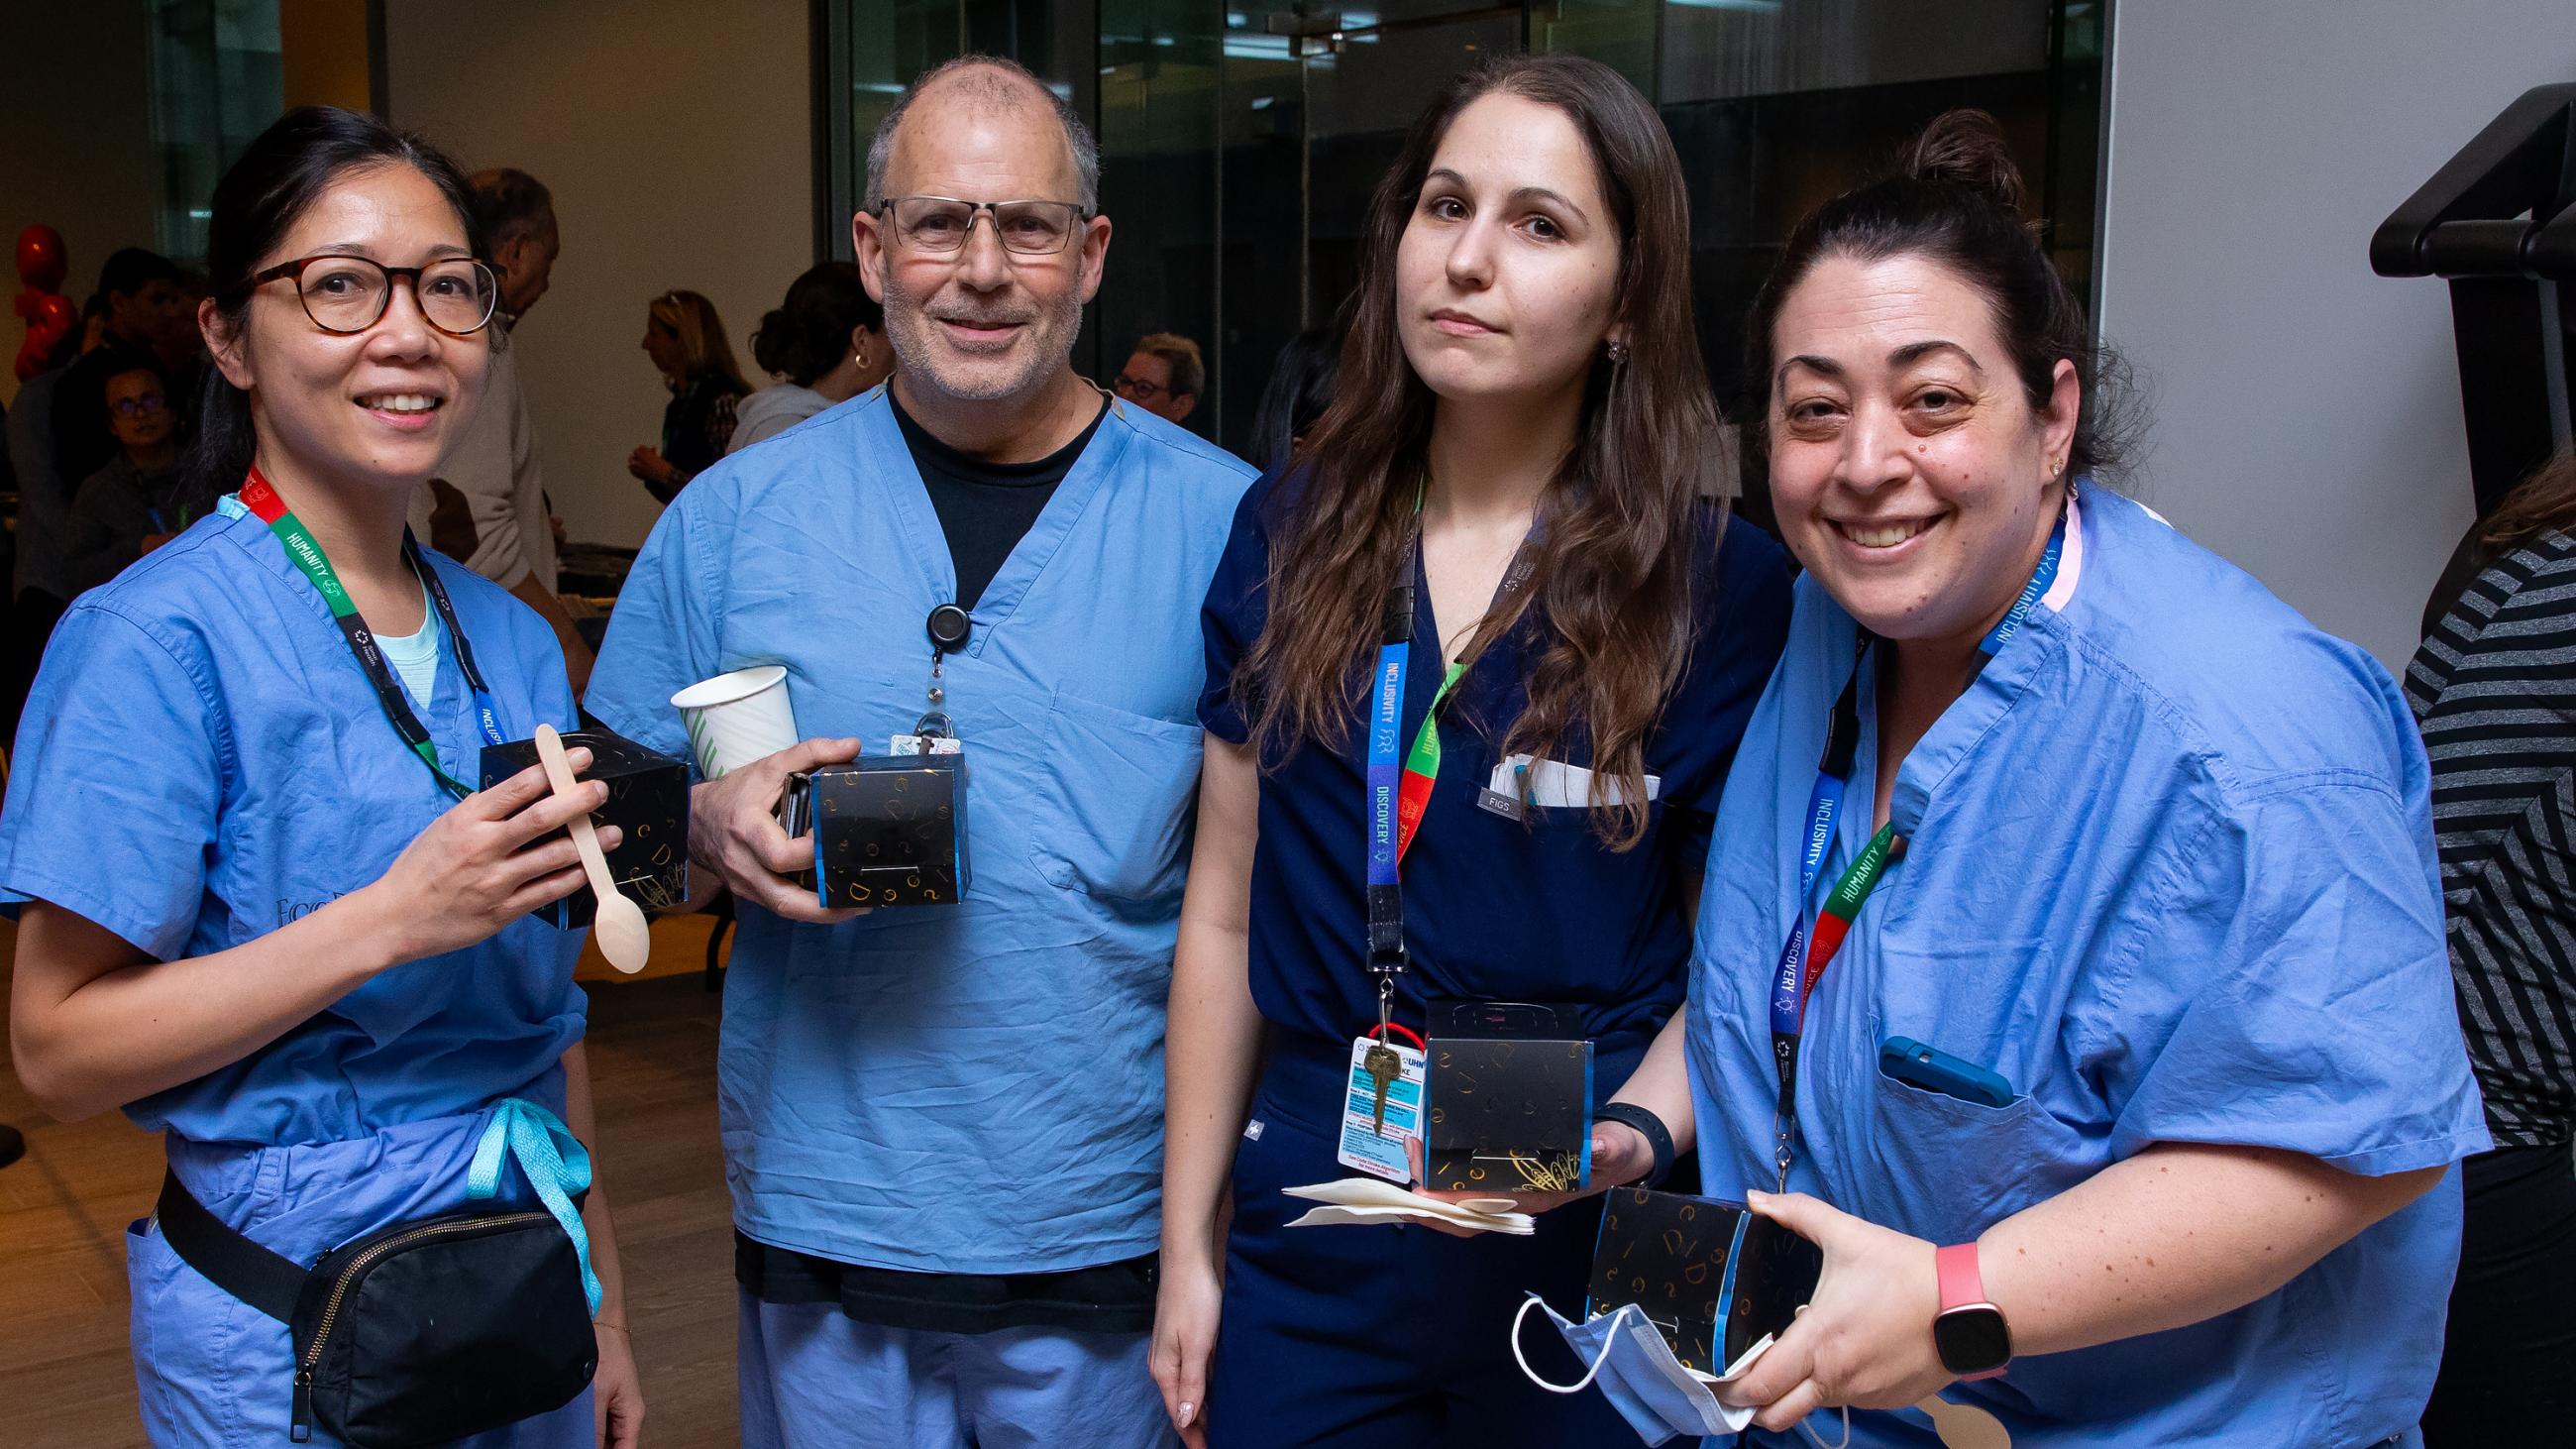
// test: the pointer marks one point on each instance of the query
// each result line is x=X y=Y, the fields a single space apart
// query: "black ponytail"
x=256 y=204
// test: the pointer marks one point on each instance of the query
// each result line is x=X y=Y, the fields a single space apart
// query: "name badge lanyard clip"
x=947 y=626
x=306 y=554
x=1398 y=794
x=1808 y=951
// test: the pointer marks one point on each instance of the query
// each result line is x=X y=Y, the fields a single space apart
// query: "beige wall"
x=322 y=47
x=675 y=137
x=75 y=142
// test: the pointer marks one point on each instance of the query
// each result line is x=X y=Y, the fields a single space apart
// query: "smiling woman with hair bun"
x=2113 y=1024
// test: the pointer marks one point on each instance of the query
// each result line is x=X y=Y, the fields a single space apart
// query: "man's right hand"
x=734 y=831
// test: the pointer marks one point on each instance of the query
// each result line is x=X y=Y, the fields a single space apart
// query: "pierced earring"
x=859 y=355
x=1618 y=352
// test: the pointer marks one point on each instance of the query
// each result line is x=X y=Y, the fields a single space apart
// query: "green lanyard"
x=261 y=499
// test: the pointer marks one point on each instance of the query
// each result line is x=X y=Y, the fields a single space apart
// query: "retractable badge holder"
x=890 y=829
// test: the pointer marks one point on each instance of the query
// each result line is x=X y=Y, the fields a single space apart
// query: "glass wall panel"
x=1241 y=141
x=218 y=80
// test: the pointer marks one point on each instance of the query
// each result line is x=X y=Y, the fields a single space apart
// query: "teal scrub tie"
x=556 y=1165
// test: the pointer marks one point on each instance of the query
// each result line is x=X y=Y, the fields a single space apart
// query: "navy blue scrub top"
x=1493 y=909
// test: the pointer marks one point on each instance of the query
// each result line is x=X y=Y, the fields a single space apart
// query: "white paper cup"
x=734 y=719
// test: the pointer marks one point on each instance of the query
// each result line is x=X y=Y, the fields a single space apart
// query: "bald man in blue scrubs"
x=943 y=1124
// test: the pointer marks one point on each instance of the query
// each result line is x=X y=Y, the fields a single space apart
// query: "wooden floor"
x=65 y=1376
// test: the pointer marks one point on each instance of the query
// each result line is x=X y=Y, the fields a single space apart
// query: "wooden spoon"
x=1965 y=1426
x=618 y=924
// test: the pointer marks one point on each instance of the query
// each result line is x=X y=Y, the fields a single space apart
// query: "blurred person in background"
x=686 y=340
x=487 y=507
x=148 y=323
x=827 y=341
x=1163 y=376
x=1300 y=388
x=142 y=497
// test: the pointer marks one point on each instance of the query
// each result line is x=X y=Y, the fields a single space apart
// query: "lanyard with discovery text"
x=1397 y=796
x=306 y=554
x=1806 y=954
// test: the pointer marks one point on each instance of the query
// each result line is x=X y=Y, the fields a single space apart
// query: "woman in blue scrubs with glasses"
x=257 y=908
x=1505 y=511
x=2110 y=1058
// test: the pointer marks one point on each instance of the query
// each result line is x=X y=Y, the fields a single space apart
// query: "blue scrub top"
x=1493 y=909
x=976 y=1088
x=201 y=762
x=2171 y=875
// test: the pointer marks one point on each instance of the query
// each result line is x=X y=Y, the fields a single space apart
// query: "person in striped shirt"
x=2494 y=687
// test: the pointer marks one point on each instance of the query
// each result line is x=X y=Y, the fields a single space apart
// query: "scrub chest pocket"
x=1116 y=789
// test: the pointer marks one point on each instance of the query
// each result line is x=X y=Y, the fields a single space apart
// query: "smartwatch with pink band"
x=1970 y=1333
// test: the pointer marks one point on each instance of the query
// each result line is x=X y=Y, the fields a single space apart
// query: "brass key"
x=1383 y=1067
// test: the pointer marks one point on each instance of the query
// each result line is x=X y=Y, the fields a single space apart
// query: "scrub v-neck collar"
x=1028 y=558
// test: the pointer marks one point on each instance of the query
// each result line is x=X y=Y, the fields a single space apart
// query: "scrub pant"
x=214 y=1370
x=812 y=1377
x=1361 y=1337
x=2509 y=1362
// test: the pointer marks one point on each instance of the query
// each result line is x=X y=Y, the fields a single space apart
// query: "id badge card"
x=1386 y=1152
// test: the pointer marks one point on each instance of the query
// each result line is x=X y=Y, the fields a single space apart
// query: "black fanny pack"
x=418 y=1334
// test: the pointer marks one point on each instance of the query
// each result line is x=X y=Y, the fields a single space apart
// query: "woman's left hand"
x=649 y=466
x=1865 y=1342
x=1620 y=1155
x=616 y=1391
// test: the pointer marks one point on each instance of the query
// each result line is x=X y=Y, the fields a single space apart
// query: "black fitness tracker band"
x=1650 y=1127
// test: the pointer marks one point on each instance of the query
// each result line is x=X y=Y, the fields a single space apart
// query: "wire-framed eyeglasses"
x=348 y=294
x=939 y=225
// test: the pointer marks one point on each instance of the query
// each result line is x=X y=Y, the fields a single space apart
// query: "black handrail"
x=2498 y=222
x=2501 y=207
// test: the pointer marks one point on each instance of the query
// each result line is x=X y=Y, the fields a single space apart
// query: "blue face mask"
x=1637 y=1372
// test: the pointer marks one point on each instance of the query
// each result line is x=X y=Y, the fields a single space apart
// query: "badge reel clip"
x=890 y=830
x=934 y=733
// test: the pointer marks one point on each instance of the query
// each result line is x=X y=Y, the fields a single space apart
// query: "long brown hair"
x=2543 y=501
x=1612 y=577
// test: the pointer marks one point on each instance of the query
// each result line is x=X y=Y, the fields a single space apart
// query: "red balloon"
x=43 y=261
x=42 y=265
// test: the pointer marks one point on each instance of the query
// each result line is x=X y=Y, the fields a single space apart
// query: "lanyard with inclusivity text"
x=1398 y=795
x=1808 y=951
x=307 y=556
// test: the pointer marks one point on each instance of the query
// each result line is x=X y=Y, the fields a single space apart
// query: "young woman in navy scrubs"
x=1521 y=410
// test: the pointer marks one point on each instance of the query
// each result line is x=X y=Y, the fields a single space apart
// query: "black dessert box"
x=1509 y=1085
x=889 y=830
x=1709 y=1274
x=648 y=799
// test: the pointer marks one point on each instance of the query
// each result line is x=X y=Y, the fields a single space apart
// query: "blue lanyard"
x=1795 y=977
x=1399 y=785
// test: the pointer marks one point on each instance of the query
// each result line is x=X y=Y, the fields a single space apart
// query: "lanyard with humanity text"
x=1808 y=951
x=1398 y=795
x=307 y=556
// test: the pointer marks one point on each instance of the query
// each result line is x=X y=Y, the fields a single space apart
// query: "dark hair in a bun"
x=1956 y=198
x=809 y=334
